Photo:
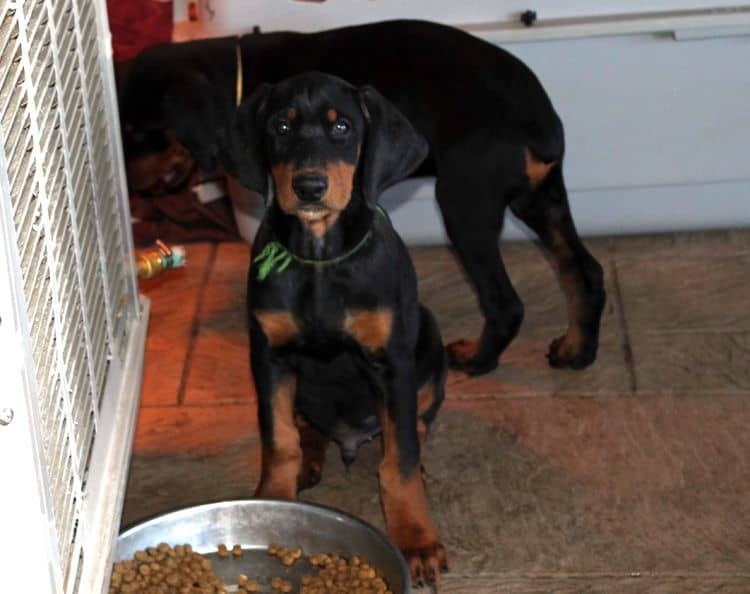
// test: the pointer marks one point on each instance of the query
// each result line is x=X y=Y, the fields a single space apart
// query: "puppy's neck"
x=351 y=225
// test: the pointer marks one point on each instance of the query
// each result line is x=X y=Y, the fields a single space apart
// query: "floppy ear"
x=243 y=148
x=191 y=110
x=392 y=148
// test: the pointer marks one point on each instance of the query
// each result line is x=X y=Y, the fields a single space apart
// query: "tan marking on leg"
x=278 y=326
x=282 y=460
x=405 y=507
x=568 y=346
x=536 y=169
x=370 y=328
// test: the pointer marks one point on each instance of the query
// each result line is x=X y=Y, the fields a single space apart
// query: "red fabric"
x=138 y=24
x=181 y=217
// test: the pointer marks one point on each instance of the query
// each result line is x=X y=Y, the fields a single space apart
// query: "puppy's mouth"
x=318 y=217
x=312 y=212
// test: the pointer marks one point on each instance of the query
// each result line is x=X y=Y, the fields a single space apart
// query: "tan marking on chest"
x=536 y=169
x=278 y=326
x=369 y=327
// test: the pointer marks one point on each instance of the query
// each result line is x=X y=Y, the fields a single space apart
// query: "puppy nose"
x=309 y=188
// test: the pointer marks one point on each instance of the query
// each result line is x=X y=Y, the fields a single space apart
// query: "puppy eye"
x=340 y=128
x=282 y=127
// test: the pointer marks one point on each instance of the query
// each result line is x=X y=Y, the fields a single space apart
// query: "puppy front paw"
x=426 y=563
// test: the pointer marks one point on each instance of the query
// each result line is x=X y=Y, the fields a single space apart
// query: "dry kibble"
x=167 y=570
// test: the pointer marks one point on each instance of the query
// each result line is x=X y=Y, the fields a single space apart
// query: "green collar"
x=275 y=257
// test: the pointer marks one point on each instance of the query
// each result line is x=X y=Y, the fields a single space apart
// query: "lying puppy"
x=341 y=349
x=495 y=142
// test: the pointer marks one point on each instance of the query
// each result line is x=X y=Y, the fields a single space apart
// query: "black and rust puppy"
x=341 y=349
x=495 y=143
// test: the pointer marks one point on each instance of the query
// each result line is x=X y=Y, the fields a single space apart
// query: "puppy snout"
x=309 y=188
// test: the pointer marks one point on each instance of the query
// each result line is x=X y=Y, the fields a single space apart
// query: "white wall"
x=237 y=16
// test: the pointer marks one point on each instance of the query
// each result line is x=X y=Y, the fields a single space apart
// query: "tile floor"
x=632 y=476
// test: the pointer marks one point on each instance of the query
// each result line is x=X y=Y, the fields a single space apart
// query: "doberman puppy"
x=340 y=347
x=495 y=142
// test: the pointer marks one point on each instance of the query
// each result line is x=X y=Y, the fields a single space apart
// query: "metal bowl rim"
x=406 y=574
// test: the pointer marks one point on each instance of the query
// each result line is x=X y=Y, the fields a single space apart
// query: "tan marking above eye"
x=332 y=115
x=278 y=326
x=291 y=113
x=369 y=327
x=536 y=169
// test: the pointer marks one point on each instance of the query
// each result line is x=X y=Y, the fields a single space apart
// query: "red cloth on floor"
x=138 y=24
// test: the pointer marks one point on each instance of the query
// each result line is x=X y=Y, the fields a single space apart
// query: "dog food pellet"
x=222 y=550
x=237 y=550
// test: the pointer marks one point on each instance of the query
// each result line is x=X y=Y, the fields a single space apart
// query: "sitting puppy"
x=341 y=349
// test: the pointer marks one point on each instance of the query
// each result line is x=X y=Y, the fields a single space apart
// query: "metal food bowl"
x=256 y=523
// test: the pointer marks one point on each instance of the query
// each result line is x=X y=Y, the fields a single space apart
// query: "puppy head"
x=155 y=161
x=168 y=127
x=324 y=142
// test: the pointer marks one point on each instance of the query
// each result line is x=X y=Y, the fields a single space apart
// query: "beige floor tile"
x=686 y=294
x=696 y=244
x=161 y=483
x=578 y=486
x=567 y=584
x=696 y=362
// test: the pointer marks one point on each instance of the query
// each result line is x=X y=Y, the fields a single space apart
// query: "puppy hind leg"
x=545 y=210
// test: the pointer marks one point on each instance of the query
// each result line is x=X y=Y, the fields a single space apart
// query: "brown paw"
x=426 y=563
x=464 y=355
x=564 y=352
